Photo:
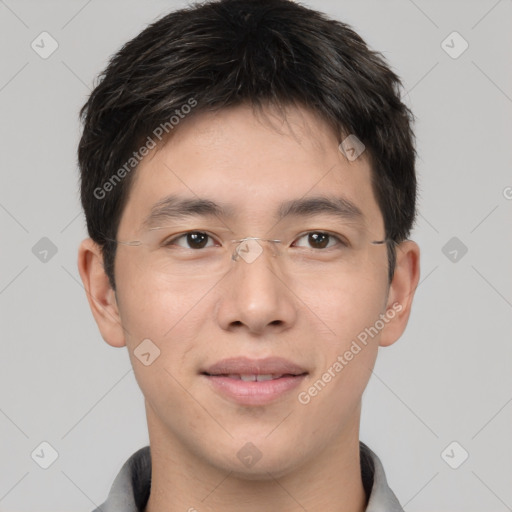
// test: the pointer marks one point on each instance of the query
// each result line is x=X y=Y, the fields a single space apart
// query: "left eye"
x=318 y=240
x=191 y=240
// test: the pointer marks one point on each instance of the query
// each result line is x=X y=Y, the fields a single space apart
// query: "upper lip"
x=247 y=366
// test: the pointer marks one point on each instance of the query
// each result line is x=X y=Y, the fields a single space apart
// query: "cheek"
x=155 y=305
x=333 y=394
x=345 y=303
x=348 y=350
x=344 y=311
x=171 y=316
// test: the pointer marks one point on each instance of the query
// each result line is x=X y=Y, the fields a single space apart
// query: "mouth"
x=252 y=369
x=253 y=377
x=254 y=382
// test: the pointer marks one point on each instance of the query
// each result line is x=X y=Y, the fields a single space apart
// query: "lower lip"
x=254 y=393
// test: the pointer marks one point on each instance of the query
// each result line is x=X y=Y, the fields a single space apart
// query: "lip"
x=254 y=392
x=247 y=366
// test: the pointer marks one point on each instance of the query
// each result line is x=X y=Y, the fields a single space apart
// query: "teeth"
x=260 y=378
x=254 y=378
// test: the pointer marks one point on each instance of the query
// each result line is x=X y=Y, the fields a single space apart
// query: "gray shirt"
x=130 y=490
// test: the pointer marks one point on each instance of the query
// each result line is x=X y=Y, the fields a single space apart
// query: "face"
x=308 y=312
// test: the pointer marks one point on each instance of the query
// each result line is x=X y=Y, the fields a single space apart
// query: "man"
x=247 y=172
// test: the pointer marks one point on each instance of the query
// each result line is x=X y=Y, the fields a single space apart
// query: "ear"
x=401 y=291
x=101 y=296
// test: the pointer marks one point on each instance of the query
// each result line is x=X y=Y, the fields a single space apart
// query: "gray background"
x=448 y=379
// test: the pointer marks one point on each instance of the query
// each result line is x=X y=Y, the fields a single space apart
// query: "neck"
x=181 y=481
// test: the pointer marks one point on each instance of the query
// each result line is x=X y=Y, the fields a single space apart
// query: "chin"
x=260 y=472
x=261 y=464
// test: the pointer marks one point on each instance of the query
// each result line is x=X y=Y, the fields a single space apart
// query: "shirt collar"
x=130 y=490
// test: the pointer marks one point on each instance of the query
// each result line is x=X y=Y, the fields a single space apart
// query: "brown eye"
x=197 y=240
x=191 y=240
x=319 y=240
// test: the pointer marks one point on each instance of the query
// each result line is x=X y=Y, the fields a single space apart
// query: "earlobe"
x=101 y=296
x=401 y=291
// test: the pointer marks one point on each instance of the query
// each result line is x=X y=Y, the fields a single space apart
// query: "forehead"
x=253 y=162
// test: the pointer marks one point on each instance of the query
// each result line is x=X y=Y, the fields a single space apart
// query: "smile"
x=254 y=390
x=252 y=378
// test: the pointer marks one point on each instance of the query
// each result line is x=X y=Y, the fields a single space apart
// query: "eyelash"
x=341 y=240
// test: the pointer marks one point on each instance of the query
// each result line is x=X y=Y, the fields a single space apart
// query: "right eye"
x=191 y=240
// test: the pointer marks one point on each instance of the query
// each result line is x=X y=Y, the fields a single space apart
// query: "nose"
x=254 y=293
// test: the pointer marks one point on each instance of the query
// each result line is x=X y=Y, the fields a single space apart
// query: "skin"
x=310 y=453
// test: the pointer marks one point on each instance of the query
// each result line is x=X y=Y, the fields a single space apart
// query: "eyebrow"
x=173 y=207
x=306 y=207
